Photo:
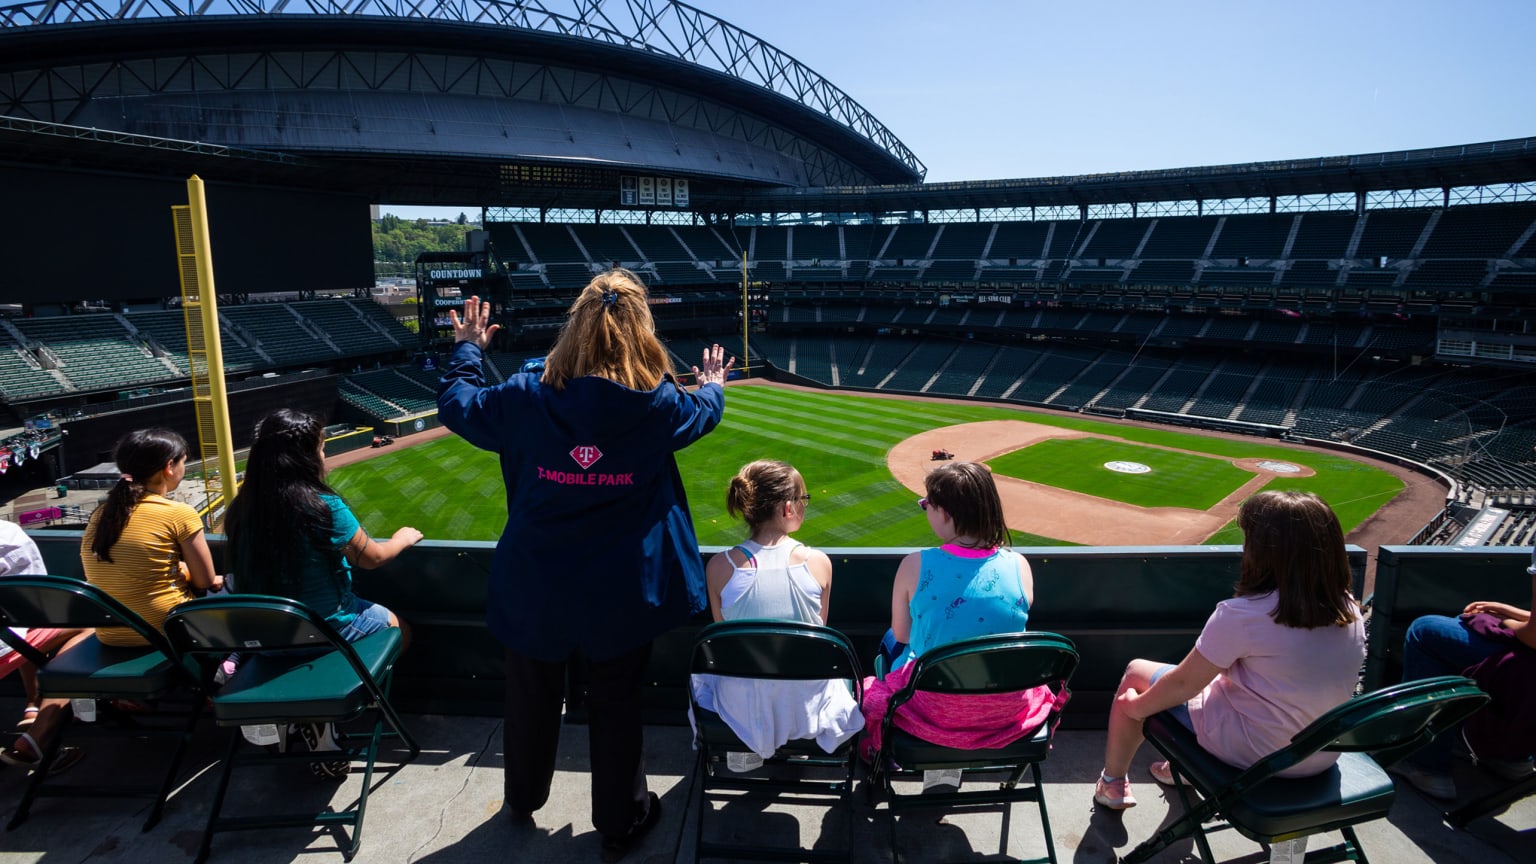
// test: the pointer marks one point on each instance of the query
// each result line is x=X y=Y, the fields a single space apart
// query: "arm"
x=699 y=412
x=367 y=553
x=716 y=573
x=901 y=596
x=462 y=399
x=821 y=570
x=461 y=394
x=1521 y=623
x=1176 y=687
x=1027 y=582
x=1503 y=610
x=199 y=561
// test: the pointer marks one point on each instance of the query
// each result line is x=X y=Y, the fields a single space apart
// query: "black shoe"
x=615 y=848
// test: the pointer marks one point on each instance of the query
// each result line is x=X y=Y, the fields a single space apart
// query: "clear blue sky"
x=993 y=89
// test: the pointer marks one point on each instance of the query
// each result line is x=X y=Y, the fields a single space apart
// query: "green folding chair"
x=1493 y=802
x=1368 y=732
x=91 y=670
x=778 y=651
x=294 y=669
x=1001 y=663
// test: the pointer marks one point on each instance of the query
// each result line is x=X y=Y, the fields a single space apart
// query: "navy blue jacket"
x=599 y=552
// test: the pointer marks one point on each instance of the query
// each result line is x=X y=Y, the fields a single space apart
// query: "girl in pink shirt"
x=1271 y=660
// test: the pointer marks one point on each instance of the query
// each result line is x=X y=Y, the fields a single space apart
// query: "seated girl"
x=969 y=586
x=1494 y=644
x=773 y=576
x=19 y=556
x=290 y=535
x=141 y=547
x=1281 y=653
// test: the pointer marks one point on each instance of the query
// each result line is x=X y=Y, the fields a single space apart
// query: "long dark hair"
x=139 y=455
x=1293 y=545
x=278 y=512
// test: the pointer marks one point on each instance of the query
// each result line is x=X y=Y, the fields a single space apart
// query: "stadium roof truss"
x=679 y=79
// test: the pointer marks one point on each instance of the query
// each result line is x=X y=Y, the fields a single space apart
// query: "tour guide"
x=598 y=555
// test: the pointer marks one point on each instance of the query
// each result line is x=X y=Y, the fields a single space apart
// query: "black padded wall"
x=73 y=235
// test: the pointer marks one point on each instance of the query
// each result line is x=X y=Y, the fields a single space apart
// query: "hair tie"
x=610 y=297
x=126 y=478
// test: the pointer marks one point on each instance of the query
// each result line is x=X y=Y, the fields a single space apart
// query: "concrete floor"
x=446 y=807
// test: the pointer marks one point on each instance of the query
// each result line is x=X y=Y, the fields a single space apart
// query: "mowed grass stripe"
x=900 y=410
x=827 y=414
x=868 y=439
x=1077 y=464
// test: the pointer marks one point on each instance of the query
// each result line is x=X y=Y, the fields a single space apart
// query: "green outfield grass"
x=1077 y=464
x=838 y=441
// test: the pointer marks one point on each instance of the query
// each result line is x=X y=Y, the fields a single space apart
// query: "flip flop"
x=28 y=717
x=66 y=758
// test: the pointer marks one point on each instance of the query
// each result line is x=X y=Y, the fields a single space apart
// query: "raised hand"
x=476 y=326
x=716 y=368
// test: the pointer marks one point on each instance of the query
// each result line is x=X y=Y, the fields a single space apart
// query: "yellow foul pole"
x=205 y=350
x=745 y=322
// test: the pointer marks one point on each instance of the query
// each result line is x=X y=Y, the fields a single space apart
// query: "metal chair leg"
x=1491 y=802
x=35 y=782
x=218 y=797
x=182 y=743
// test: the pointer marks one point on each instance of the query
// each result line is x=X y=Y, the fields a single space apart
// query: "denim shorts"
x=1181 y=712
x=371 y=618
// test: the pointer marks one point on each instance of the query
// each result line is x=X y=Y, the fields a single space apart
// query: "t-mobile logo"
x=586 y=455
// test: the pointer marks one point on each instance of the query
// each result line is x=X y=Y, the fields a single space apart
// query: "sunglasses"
x=805 y=497
x=923 y=503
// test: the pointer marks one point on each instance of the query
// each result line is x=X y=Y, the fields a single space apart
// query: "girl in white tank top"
x=773 y=576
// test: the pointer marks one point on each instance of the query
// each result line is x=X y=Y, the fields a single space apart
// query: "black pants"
x=531 y=736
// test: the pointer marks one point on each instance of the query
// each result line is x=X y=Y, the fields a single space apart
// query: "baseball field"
x=863 y=458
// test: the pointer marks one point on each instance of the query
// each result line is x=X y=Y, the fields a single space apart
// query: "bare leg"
x=58 y=642
x=1125 y=733
x=405 y=630
x=51 y=711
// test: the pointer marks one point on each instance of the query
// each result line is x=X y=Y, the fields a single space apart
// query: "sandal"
x=64 y=760
x=28 y=717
